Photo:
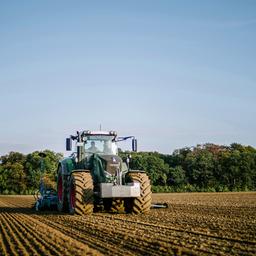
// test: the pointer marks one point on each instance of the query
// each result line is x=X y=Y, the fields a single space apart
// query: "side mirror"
x=134 y=145
x=68 y=144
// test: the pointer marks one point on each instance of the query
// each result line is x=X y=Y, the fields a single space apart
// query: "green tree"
x=37 y=166
x=15 y=177
x=19 y=173
x=155 y=167
x=177 y=176
x=3 y=178
x=13 y=157
x=200 y=168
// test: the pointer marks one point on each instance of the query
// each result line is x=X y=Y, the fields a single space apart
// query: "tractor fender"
x=66 y=165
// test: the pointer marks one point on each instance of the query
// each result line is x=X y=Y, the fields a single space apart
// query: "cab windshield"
x=100 y=144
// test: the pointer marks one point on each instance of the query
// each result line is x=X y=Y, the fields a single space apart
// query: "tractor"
x=94 y=178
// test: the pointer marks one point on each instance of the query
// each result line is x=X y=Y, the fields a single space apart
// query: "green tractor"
x=95 y=178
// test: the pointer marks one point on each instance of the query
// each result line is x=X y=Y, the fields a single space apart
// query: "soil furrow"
x=6 y=243
x=132 y=238
x=13 y=244
x=24 y=237
x=120 y=231
x=145 y=236
x=53 y=239
x=43 y=245
x=145 y=225
x=33 y=236
x=194 y=224
x=87 y=234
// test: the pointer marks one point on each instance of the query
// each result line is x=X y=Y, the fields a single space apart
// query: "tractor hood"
x=111 y=163
x=113 y=159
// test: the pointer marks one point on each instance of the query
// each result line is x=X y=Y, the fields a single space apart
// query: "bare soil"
x=194 y=224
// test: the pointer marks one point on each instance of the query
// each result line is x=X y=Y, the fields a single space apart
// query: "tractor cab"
x=97 y=142
x=100 y=144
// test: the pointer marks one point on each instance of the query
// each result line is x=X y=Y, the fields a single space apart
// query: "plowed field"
x=194 y=224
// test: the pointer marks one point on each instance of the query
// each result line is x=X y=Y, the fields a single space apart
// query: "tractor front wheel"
x=140 y=204
x=80 y=196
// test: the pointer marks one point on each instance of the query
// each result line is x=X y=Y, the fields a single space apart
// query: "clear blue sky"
x=172 y=73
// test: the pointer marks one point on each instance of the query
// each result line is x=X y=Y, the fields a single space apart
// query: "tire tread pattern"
x=140 y=204
x=84 y=196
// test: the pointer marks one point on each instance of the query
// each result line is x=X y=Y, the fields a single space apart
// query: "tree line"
x=207 y=167
x=20 y=174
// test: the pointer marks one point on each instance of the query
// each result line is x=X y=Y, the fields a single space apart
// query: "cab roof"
x=110 y=133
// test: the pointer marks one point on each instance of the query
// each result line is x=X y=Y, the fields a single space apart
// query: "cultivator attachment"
x=47 y=200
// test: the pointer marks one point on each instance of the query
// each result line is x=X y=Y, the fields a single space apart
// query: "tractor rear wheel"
x=140 y=204
x=81 y=193
x=62 y=191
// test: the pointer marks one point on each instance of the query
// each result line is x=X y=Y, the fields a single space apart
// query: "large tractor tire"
x=81 y=193
x=140 y=204
x=62 y=191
